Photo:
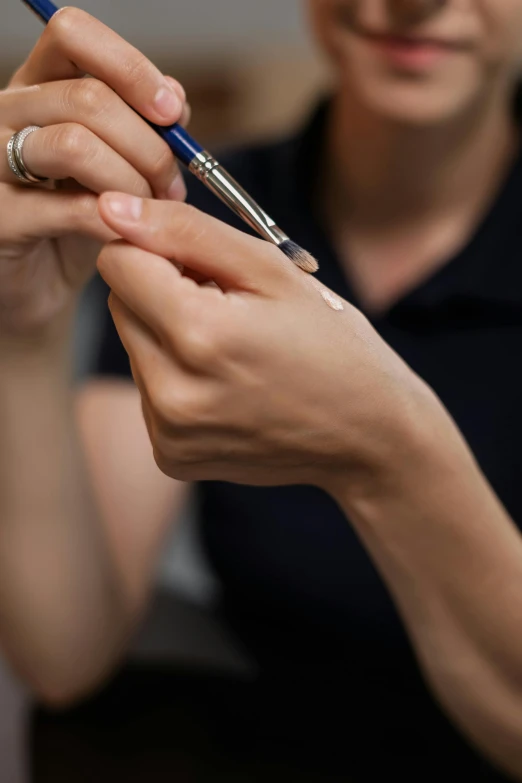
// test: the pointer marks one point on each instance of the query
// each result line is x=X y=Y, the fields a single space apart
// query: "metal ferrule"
x=218 y=180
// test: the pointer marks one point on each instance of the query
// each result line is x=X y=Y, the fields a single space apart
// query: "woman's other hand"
x=254 y=378
x=90 y=141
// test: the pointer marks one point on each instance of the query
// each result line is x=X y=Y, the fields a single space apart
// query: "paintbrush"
x=207 y=169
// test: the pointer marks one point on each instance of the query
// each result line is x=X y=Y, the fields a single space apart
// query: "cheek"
x=494 y=25
x=501 y=32
x=325 y=24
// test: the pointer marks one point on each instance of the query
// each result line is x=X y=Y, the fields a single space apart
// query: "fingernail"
x=178 y=189
x=126 y=208
x=167 y=103
x=177 y=87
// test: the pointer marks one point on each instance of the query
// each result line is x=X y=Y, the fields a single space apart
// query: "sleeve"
x=111 y=359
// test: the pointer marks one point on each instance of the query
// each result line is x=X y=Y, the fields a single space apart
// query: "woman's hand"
x=252 y=379
x=91 y=141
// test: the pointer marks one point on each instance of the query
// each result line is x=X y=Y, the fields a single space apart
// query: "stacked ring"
x=15 y=157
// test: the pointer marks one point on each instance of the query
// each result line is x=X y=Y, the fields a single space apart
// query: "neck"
x=387 y=173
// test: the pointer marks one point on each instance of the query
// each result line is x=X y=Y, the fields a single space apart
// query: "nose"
x=411 y=11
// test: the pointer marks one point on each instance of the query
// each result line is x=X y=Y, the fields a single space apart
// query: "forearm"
x=63 y=620
x=452 y=559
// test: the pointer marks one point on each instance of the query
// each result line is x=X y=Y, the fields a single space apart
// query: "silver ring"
x=15 y=157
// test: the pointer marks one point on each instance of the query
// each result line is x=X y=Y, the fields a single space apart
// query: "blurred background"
x=250 y=72
x=248 y=65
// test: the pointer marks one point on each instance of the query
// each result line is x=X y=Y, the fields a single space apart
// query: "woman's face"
x=420 y=61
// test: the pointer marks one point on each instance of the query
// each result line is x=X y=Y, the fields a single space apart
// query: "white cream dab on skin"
x=332 y=301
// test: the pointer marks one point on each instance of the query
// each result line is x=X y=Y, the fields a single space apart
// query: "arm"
x=258 y=381
x=452 y=558
x=83 y=509
x=82 y=506
x=137 y=503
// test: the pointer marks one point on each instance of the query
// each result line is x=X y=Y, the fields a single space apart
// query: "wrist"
x=415 y=442
x=46 y=350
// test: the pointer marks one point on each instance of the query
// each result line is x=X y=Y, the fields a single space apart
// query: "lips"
x=403 y=50
x=407 y=52
x=349 y=16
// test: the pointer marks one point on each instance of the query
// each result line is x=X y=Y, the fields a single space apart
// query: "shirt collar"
x=486 y=272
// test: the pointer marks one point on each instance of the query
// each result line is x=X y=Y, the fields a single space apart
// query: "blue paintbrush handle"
x=213 y=176
x=42 y=8
x=184 y=147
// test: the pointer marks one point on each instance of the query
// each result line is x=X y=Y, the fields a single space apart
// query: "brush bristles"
x=299 y=257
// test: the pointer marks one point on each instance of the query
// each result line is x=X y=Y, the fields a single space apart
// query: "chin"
x=425 y=93
x=411 y=104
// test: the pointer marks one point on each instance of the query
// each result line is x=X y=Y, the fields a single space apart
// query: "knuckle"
x=71 y=142
x=160 y=461
x=180 y=461
x=65 y=21
x=161 y=400
x=165 y=462
x=90 y=96
x=175 y=465
x=360 y=328
x=359 y=321
x=174 y=409
x=200 y=346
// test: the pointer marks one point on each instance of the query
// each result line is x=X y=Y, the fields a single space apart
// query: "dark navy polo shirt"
x=298 y=586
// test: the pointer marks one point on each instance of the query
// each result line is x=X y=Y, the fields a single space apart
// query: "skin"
x=482 y=39
x=404 y=142
x=76 y=563
x=377 y=439
x=84 y=524
x=206 y=373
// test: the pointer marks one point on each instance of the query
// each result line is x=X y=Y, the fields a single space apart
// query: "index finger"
x=200 y=242
x=74 y=43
